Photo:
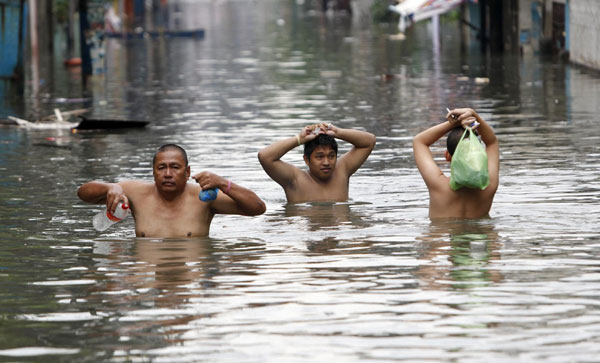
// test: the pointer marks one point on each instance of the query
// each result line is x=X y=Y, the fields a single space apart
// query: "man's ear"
x=305 y=159
x=448 y=156
x=188 y=172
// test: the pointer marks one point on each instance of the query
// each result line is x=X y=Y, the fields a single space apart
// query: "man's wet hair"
x=171 y=147
x=454 y=138
x=320 y=140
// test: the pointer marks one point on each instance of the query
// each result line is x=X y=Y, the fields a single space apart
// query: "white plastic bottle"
x=105 y=219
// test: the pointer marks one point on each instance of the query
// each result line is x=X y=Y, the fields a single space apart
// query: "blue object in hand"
x=208 y=195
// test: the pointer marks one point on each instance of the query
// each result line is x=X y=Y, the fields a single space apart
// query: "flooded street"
x=372 y=279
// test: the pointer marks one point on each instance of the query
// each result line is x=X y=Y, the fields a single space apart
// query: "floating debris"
x=397 y=36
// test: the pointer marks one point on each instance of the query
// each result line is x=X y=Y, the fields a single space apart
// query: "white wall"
x=584 y=32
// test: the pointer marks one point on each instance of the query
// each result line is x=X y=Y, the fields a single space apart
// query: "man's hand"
x=310 y=132
x=114 y=196
x=330 y=129
x=466 y=117
x=235 y=199
x=208 y=180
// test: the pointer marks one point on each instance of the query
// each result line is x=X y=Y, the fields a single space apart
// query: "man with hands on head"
x=170 y=206
x=327 y=177
x=464 y=202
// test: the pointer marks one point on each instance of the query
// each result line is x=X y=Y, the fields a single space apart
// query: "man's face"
x=170 y=172
x=322 y=162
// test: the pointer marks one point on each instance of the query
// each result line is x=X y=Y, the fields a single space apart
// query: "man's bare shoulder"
x=135 y=182
x=439 y=184
x=192 y=189
x=136 y=186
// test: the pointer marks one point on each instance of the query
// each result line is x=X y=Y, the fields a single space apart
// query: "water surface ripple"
x=372 y=279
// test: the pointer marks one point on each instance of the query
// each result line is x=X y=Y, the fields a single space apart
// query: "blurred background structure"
x=35 y=32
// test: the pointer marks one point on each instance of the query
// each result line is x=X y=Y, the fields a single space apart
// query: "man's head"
x=171 y=147
x=453 y=139
x=170 y=168
x=320 y=140
x=320 y=154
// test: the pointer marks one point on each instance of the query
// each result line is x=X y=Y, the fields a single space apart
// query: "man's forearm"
x=93 y=192
x=485 y=131
x=433 y=134
x=247 y=201
x=276 y=150
x=360 y=139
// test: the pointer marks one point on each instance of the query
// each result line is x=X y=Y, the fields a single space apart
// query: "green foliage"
x=61 y=11
x=452 y=15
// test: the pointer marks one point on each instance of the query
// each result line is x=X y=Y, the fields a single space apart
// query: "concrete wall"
x=528 y=42
x=584 y=32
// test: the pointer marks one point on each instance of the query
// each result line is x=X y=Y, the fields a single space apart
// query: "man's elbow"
x=368 y=142
x=262 y=156
x=90 y=193
x=83 y=194
x=80 y=193
x=262 y=208
x=259 y=208
x=419 y=146
x=416 y=141
x=372 y=140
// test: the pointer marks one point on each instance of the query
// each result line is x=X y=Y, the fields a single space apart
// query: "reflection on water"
x=319 y=215
x=324 y=216
x=146 y=284
x=370 y=279
x=168 y=265
x=458 y=253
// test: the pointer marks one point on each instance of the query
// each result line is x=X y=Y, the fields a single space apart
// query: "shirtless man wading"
x=464 y=202
x=170 y=206
x=327 y=177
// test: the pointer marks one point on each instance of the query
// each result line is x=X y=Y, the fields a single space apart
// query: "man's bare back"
x=462 y=203
x=327 y=177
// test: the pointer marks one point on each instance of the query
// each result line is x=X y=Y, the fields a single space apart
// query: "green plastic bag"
x=468 y=167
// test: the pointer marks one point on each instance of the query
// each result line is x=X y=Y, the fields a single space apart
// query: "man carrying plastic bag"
x=468 y=192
